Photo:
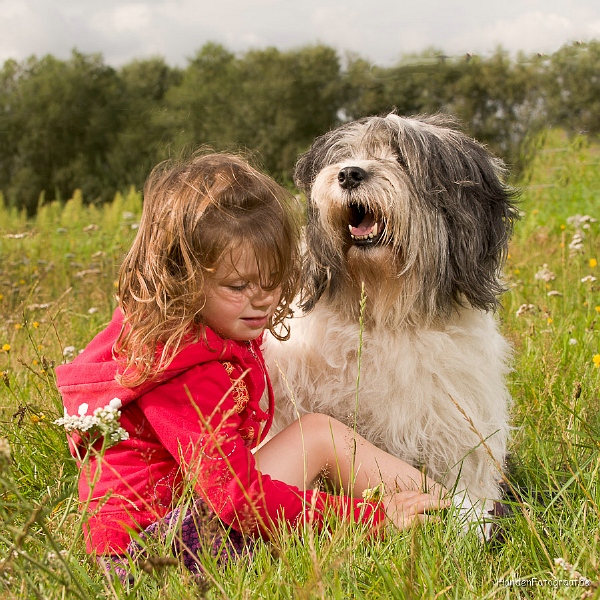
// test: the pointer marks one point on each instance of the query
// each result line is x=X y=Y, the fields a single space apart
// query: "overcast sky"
x=378 y=30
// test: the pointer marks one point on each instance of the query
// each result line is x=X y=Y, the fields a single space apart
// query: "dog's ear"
x=312 y=161
x=316 y=265
x=480 y=214
x=314 y=282
x=318 y=262
x=305 y=173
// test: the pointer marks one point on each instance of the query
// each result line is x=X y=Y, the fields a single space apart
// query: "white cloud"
x=131 y=17
x=529 y=32
x=380 y=31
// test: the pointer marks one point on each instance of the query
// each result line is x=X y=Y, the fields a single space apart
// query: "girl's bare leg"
x=315 y=442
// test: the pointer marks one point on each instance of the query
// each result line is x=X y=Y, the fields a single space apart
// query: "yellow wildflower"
x=593 y=262
x=18 y=326
x=596 y=360
x=549 y=320
x=6 y=348
x=598 y=309
x=35 y=324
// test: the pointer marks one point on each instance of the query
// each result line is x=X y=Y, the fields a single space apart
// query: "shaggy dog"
x=407 y=228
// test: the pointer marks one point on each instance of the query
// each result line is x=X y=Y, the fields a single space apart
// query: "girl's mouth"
x=256 y=322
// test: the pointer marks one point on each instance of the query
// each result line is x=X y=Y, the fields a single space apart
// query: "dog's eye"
x=401 y=161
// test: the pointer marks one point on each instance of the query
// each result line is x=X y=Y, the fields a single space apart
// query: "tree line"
x=82 y=124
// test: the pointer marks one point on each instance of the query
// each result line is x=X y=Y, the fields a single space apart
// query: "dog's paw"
x=482 y=518
x=495 y=532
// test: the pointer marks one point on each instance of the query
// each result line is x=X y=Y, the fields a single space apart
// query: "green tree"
x=270 y=102
x=9 y=77
x=143 y=138
x=198 y=110
x=63 y=117
x=417 y=84
x=497 y=100
x=285 y=100
x=573 y=87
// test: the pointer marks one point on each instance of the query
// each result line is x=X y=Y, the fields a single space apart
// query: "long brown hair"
x=195 y=212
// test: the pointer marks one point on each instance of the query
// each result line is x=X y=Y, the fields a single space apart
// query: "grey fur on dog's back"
x=431 y=274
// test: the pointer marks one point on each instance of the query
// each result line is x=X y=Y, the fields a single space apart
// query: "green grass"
x=57 y=275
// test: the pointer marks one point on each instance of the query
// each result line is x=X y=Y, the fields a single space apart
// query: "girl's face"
x=236 y=307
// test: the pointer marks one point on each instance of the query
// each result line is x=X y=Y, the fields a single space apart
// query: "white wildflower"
x=588 y=279
x=115 y=403
x=576 y=244
x=525 y=308
x=374 y=494
x=578 y=221
x=68 y=351
x=93 y=310
x=104 y=422
x=573 y=342
x=554 y=293
x=545 y=274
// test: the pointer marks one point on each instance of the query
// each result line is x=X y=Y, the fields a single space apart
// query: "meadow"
x=57 y=290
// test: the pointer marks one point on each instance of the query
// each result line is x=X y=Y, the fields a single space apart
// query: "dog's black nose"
x=351 y=177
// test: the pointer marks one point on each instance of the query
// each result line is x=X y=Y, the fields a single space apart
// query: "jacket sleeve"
x=194 y=417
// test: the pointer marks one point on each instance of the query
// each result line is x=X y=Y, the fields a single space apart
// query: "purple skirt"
x=195 y=531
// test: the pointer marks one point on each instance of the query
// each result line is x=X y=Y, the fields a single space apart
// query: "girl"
x=214 y=264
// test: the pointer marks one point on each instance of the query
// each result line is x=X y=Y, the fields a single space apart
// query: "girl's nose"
x=262 y=297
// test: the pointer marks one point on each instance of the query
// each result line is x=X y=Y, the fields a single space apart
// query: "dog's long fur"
x=430 y=340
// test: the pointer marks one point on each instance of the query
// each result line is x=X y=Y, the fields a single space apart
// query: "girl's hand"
x=404 y=508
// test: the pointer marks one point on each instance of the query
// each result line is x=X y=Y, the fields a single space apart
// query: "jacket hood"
x=90 y=379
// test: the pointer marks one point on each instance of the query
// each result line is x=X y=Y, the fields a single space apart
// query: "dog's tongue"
x=365 y=227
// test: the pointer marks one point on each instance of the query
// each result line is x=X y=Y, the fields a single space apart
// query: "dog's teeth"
x=375 y=229
x=371 y=236
x=350 y=228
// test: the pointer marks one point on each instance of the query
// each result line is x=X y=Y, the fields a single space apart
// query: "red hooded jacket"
x=195 y=424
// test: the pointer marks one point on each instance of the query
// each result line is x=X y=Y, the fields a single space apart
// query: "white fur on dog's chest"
x=408 y=380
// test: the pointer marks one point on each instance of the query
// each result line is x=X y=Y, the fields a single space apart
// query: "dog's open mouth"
x=365 y=227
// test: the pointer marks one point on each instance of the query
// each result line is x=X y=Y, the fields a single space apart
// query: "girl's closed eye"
x=238 y=287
